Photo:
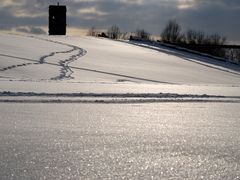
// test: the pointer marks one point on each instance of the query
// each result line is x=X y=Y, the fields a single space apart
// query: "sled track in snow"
x=65 y=72
x=110 y=98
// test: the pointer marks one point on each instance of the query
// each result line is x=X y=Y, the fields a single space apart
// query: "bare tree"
x=142 y=34
x=237 y=56
x=195 y=37
x=92 y=32
x=191 y=36
x=200 y=36
x=172 y=32
x=124 y=35
x=234 y=55
x=215 y=39
x=114 y=32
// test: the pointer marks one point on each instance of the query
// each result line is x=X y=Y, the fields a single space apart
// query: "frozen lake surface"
x=116 y=141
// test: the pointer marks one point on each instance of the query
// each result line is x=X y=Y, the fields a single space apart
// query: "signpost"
x=57 y=20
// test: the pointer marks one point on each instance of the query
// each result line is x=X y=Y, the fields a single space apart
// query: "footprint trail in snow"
x=65 y=71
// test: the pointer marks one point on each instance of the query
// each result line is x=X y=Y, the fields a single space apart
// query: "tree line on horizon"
x=173 y=34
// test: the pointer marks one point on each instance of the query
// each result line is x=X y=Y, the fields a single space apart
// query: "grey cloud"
x=219 y=16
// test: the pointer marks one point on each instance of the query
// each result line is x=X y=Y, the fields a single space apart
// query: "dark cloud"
x=214 y=17
x=220 y=16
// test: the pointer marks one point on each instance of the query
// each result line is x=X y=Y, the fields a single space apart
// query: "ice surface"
x=103 y=141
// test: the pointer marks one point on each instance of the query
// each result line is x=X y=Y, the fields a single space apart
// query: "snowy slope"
x=55 y=64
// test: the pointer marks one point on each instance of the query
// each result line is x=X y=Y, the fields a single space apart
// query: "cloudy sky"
x=220 y=16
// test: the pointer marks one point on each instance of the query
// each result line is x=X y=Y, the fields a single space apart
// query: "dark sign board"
x=57 y=20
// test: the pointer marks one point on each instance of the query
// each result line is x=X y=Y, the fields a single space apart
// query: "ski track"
x=119 y=101
x=112 y=95
x=112 y=98
x=66 y=71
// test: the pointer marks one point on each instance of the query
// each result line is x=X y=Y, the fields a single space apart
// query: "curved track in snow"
x=65 y=72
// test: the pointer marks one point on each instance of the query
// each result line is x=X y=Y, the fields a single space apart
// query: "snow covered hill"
x=61 y=64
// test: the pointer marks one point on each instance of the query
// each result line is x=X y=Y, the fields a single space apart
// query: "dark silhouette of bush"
x=191 y=39
x=103 y=34
x=142 y=34
x=234 y=55
x=195 y=37
x=114 y=32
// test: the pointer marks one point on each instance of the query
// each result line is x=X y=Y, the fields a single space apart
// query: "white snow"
x=57 y=64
